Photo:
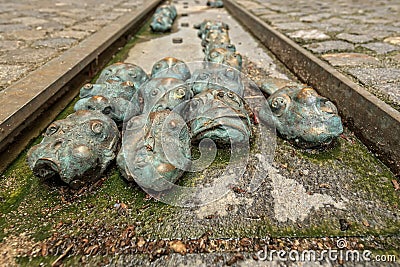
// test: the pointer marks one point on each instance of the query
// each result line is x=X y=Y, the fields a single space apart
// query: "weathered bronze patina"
x=304 y=117
x=215 y=76
x=217 y=45
x=143 y=157
x=170 y=67
x=207 y=25
x=220 y=115
x=77 y=149
x=162 y=93
x=123 y=72
x=224 y=56
x=163 y=18
x=215 y=3
x=117 y=108
x=113 y=92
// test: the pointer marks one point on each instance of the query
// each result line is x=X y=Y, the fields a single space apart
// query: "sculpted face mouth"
x=46 y=168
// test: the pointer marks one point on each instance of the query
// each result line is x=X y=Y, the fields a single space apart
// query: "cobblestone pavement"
x=33 y=32
x=359 y=38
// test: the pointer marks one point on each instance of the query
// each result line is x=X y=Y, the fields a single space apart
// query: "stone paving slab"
x=34 y=32
x=366 y=27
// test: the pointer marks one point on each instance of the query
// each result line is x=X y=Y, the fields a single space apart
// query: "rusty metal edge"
x=33 y=102
x=372 y=120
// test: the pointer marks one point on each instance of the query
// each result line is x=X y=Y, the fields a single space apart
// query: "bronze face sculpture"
x=215 y=76
x=217 y=45
x=113 y=92
x=225 y=57
x=220 y=115
x=215 y=3
x=170 y=67
x=163 y=93
x=143 y=157
x=123 y=72
x=163 y=18
x=77 y=149
x=304 y=117
x=117 y=108
x=207 y=25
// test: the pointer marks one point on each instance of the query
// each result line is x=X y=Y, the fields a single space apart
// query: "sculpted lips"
x=46 y=168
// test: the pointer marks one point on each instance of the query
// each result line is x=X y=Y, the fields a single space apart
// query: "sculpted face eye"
x=158 y=66
x=279 y=105
x=96 y=126
x=214 y=54
x=88 y=86
x=107 y=110
x=52 y=129
x=154 y=92
x=108 y=72
x=132 y=74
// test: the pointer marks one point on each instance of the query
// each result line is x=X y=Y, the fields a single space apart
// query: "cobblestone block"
x=26 y=35
x=12 y=27
x=30 y=21
x=28 y=55
x=381 y=48
x=390 y=89
x=356 y=29
x=393 y=40
x=354 y=38
x=325 y=27
x=87 y=26
x=250 y=4
x=59 y=43
x=315 y=17
x=291 y=26
x=79 y=35
x=309 y=35
x=350 y=59
x=262 y=11
x=10 y=73
x=327 y=46
x=275 y=18
x=374 y=76
x=10 y=45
